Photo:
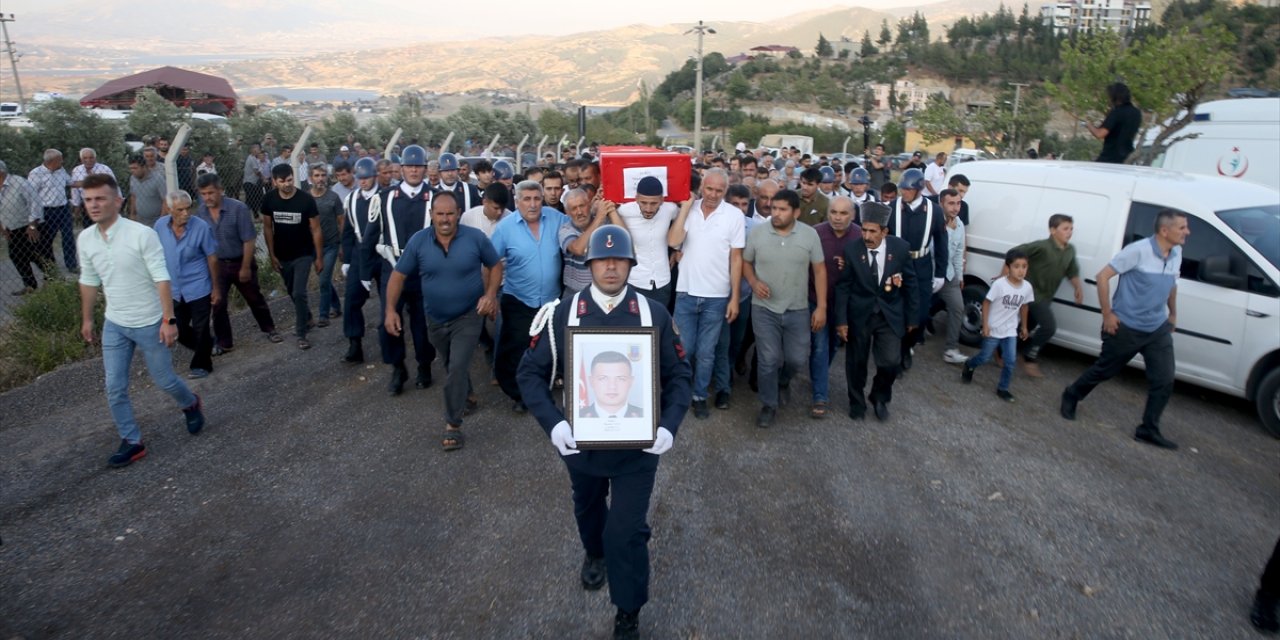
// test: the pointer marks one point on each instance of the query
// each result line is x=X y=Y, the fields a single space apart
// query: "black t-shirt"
x=1122 y=126
x=291 y=220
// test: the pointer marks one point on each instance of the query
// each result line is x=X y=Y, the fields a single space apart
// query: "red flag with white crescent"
x=582 y=385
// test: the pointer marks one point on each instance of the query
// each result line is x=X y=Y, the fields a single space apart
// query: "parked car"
x=1229 y=292
x=965 y=155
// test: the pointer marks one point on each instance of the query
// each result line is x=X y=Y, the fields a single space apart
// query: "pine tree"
x=824 y=49
x=886 y=36
x=868 y=49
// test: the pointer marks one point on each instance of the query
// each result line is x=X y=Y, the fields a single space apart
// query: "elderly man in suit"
x=876 y=305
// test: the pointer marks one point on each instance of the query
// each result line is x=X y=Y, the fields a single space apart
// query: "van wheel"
x=1268 y=402
x=971 y=328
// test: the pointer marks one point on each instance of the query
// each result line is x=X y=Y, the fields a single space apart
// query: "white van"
x=1236 y=139
x=777 y=140
x=1228 y=333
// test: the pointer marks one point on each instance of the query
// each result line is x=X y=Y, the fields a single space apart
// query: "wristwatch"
x=171 y=321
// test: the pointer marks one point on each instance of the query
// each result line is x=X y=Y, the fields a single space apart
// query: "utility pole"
x=13 y=59
x=701 y=30
x=1017 y=99
x=644 y=94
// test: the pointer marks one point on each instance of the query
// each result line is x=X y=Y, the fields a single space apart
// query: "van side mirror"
x=1216 y=270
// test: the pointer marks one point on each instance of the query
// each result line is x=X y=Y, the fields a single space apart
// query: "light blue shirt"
x=532 y=267
x=127 y=264
x=1146 y=280
x=188 y=258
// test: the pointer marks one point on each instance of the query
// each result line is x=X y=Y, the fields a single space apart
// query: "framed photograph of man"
x=611 y=397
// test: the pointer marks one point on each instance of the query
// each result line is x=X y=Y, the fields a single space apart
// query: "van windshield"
x=1259 y=226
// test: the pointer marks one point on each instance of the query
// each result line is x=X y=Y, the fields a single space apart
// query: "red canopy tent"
x=200 y=91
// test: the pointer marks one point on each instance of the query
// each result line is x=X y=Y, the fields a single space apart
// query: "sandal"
x=303 y=344
x=819 y=410
x=453 y=439
x=274 y=336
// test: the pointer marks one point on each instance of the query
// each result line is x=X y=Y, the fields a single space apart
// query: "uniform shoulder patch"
x=582 y=306
x=634 y=307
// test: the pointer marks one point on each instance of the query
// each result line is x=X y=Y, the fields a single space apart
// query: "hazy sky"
x=440 y=20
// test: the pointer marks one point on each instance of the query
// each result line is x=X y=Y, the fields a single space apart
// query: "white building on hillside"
x=1121 y=16
x=911 y=97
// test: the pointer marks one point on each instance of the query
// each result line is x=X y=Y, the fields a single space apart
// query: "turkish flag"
x=582 y=385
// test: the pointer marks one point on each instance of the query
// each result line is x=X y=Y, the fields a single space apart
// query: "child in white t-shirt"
x=1004 y=308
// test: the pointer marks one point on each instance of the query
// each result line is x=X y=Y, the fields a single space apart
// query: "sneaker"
x=127 y=454
x=1004 y=395
x=195 y=417
x=722 y=400
x=197 y=374
x=966 y=376
x=953 y=356
x=700 y=409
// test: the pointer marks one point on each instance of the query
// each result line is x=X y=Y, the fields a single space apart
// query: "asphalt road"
x=315 y=506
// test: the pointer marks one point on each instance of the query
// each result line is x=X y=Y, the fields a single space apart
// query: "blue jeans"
x=328 y=296
x=1008 y=351
x=822 y=350
x=118 y=344
x=730 y=345
x=699 y=321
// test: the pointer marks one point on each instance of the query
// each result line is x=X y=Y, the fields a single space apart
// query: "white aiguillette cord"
x=542 y=320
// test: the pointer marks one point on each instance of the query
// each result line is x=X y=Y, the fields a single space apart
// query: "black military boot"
x=626 y=626
x=399 y=375
x=424 y=376
x=355 y=352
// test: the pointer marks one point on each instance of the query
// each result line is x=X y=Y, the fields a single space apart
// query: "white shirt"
x=127 y=265
x=50 y=185
x=649 y=240
x=607 y=303
x=79 y=173
x=1006 y=300
x=412 y=192
x=878 y=259
x=937 y=176
x=704 y=267
x=476 y=219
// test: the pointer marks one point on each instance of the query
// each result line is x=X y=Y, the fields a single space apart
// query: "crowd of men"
x=793 y=254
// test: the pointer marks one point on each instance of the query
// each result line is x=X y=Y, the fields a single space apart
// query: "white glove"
x=662 y=443
x=345 y=269
x=937 y=284
x=562 y=438
x=368 y=285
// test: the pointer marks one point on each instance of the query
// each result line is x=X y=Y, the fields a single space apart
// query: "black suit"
x=876 y=318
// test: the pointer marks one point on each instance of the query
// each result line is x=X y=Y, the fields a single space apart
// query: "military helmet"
x=911 y=179
x=828 y=175
x=859 y=176
x=366 y=168
x=448 y=162
x=414 y=156
x=610 y=241
x=502 y=170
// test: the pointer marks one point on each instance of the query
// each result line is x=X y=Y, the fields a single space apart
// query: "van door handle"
x=1256 y=314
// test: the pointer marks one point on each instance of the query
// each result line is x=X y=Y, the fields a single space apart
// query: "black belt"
x=239 y=259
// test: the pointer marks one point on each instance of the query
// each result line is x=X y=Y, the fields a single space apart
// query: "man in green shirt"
x=1051 y=260
x=813 y=205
